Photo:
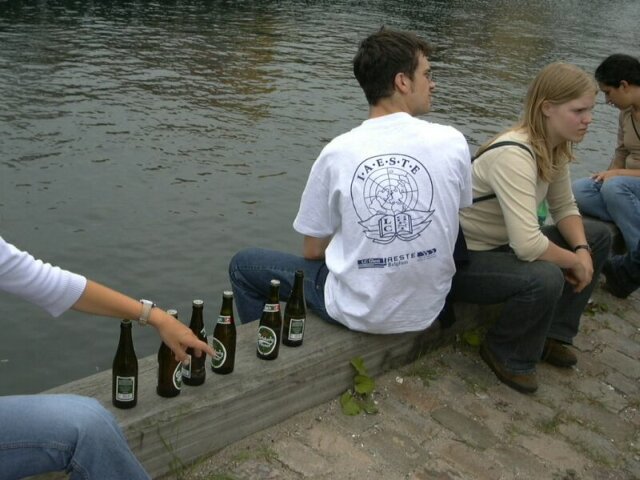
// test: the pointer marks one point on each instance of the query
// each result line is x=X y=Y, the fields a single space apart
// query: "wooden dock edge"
x=166 y=434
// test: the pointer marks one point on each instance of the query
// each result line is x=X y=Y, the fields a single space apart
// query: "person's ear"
x=402 y=82
x=547 y=108
x=623 y=85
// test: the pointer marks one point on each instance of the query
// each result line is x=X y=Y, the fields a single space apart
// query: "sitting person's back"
x=380 y=209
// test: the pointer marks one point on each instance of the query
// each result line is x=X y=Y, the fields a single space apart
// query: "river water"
x=143 y=143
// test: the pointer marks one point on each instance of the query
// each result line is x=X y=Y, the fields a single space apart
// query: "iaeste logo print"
x=385 y=191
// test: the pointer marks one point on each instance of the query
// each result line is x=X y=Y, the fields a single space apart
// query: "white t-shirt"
x=388 y=192
x=49 y=287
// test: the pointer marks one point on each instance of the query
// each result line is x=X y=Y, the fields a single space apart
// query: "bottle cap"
x=173 y=312
x=227 y=293
x=198 y=303
x=275 y=282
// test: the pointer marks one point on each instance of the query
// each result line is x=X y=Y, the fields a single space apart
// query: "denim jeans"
x=626 y=270
x=50 y=433
x=252 y=270
x=617 y=200
x=538 y=303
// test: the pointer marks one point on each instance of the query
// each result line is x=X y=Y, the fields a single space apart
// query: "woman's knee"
x=615 y=190
x=545 y=281
x=90 y=419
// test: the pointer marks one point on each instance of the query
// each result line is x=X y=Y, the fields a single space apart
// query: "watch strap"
x=147 y=305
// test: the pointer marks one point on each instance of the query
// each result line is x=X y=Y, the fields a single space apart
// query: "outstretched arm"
x=100 y=300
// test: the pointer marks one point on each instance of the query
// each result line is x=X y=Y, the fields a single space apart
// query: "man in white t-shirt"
x=379 y=213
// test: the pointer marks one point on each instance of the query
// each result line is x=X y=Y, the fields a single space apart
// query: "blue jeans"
x=50 y=433
x=617 y=200
x=251 y=271
x=538 y=303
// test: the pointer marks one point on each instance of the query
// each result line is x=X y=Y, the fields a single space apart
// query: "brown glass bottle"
x=169 y=369
x=295 y=313
x=124 y=385
x=224 y=337
x=195 y=373
x=270 y=329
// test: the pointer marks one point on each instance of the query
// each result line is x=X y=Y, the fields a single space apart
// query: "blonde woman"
x=543 y=275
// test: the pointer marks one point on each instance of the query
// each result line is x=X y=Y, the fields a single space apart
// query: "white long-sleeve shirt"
x=51 y=288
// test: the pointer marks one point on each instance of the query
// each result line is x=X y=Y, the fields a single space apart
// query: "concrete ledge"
x=166 y=433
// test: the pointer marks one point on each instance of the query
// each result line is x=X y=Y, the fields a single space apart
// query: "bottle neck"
x=126 y=340
x=227 y=309
x=196 y=318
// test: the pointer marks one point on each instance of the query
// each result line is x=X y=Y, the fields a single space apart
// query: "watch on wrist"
x=579 y=247
x=147 y=305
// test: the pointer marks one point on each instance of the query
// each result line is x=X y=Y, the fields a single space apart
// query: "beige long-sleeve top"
x=627 y=154
x=511 y=218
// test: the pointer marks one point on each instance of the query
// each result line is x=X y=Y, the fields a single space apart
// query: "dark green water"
x=143 y=143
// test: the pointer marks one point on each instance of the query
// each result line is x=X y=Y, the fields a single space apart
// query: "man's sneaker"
x=612 y=285
x=558 y=354
x=523 y=382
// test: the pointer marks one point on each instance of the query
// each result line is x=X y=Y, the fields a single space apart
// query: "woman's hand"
x=177 y=336
x=607 y=174
x=581 y=273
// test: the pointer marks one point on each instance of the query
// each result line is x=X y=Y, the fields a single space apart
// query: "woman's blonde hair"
x=557 y=83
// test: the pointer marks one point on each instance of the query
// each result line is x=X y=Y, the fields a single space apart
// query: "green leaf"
x=363 y=384
x=349 y=404
x=358 y=364
x=472 y=337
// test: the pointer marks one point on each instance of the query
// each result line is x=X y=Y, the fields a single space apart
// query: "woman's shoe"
x=523 y=382
x=558 y=354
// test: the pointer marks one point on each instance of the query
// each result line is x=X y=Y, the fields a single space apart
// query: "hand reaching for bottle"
x=100 y=300
x=177 y=336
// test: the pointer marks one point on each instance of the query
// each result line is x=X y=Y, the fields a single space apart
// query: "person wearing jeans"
x=47 y=433
x=70 y=433
x=379 y=212
x=613 y=195
x=543 y=275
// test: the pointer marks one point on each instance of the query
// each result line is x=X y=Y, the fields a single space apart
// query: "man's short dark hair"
x=381 y=56
x=618 y=67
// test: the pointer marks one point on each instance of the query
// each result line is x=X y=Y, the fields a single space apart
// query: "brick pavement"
x=447 y=417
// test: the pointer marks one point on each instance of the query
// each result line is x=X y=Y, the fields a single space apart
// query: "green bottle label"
x=177 y=376
x=296 y=328
x=125 y=388
x=266 y=340
x=220 y=353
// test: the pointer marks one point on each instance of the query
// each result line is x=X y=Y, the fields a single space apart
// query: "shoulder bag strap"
x=497 y=145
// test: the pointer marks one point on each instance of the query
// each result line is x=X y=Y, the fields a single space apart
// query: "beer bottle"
x=270 y=329
x=295 y=313
x=224 y=337
x=124 y=385
x=195 y=373
x=169 y=369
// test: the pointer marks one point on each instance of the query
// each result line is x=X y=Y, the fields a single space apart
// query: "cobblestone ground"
x=447 y=417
